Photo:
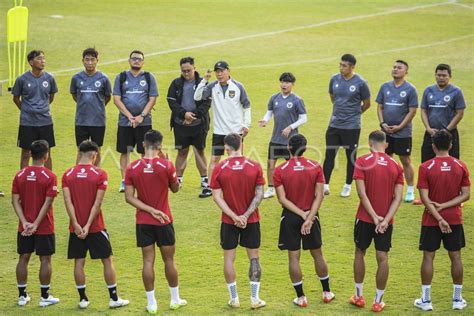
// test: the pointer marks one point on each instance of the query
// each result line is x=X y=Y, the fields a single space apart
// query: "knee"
x=45 y=259
x=382 y=257
x=24 y=258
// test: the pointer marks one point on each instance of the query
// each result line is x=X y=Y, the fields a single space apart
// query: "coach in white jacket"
x=231 y=111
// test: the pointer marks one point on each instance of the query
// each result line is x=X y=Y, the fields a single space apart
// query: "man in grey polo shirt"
x=91 y=90
x=442 y=107
x=350 y=97
x=33 y=94
x=135 y=93
x=397 y=102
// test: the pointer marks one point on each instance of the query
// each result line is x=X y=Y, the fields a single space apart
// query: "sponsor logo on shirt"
x=298 y=167
x=142 y=83
x=45 y=84
x=148 y=168
x=352 y=88
x=237 y=166
x=31 y=176
x=382 y=161
x=403 y=94
x=231 y=93
x=445 y=166
x=97 y=84
x=289 y=105
x=82 y=173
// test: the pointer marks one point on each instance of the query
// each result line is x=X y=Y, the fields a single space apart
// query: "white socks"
x=410 y=189
x=359 y=287
x=457 y=292
x=174 y=291
x=426 y=293
x=254 y=290
x=232 y=287
x=379 y=295
x=150 y=296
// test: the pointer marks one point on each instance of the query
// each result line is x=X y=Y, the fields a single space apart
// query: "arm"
x=134 y=201
x=94 y=211
x=318 y=199
x=302 y=118
x=174 y=187
x=383 y=125
x=122 y=108
x=51 y=98
x=19 y=211
x=74 y=97
x=17 y=101
x=456 y=119
x=443 y=225
x=463 y=197
x=397 y=199
x=407 y=119
x=71 y=212
x=290 y=206
x=263 y=122
x=331 y=96
x=202 y=108
x=426 y=122
x=360 y=185
x=148 y=107
x=219 y=200
x=255 y=202
x=42 y=213
x=107 y=99
x=176 y=108
x=365 y=105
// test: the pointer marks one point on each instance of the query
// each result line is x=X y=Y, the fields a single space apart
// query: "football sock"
x=232 y=287
x=457 y=292
x=325 y=283
x=113 y=291
x=426 y=293
x=298 y=288
x=44 y=291
x=254 y=290
x=379 y=295
x=359 y=287
x=174 y=291
x=150 y=296
x=82 y=292
x=22 y=290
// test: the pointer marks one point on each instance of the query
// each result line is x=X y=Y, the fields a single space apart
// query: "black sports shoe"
x=206 y=192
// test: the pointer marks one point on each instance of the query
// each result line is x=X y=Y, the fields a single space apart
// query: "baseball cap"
x=221 y=65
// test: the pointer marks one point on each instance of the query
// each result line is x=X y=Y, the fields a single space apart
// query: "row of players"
x=190 y=97
x=238 y=187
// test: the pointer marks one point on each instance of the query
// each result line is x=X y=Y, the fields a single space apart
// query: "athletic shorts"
x=398 y=146
x=276 y=151
x=248 y=237
x=290 y=233
x=93 y=133
x=128 y=137
x=364 y=233
x=427 y=152
x=98 y=245
x=218 y=144
x=431 y=236
x=185 y=136
x=338 y=137
x=28 y=134
x=149 y=234
x=42 y=245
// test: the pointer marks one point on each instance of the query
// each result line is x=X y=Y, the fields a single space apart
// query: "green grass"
x=117 y=27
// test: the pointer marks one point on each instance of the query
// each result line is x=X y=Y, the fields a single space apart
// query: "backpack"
x=123 y=78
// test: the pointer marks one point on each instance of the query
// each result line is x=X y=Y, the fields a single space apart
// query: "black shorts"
x=427 y=152
x=185 y=136
x=248 y=237
x=98 y=245
x=431 y=236
x=290 y=233
x=42 y=245
x=337 y=137
x=93 y=133
x=149 y=234
x=276 y=151
x=398 y=146
x=365 y=232
x=28 y=134
x=128 y=137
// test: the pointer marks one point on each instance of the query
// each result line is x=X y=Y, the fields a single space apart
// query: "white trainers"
x=301 y=301
x=23 y=300
x=459 y=304
x=328 y=296
x=118 y=303
x=269 y=193
x=346 y=191
x=83 y=304
x=153 y=309
x=424 y=305
x=180 y=303
x=51 y=300
x=234 y=303
x=254 y=304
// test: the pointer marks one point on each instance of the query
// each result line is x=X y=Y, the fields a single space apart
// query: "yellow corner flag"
x=17 y=35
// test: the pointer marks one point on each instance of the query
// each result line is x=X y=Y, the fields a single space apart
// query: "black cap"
x=221 y=65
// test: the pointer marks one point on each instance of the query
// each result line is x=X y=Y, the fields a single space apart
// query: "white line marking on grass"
x=271 y=33
x=464 y=5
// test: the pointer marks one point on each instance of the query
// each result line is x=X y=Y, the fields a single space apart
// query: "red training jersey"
x=381 y=173
x=151 y=178
x=299 y=177
x=443 y=177
x=34 y=184
x=83 y=182
x=238 y=177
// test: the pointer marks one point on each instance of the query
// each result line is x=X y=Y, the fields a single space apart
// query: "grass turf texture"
x=312 y=54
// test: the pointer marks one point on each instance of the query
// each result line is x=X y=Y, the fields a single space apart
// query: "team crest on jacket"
x=45 y=84
x=143 y=83
x=97 y=84
x=289 y=105
x=231 y=93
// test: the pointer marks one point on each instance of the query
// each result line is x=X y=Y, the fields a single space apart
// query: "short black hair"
x=33 y=54
x=402 y=62
x=136 y=51
x=153 y=139
x=378 y=137
x=442 y=139
x=287 y=77
x=297 y=145
x=186 y=60
x=233 y=140
x=349 y=58
x=88 y=146
x=38 y=149
x=443 y=67
x=90 y=52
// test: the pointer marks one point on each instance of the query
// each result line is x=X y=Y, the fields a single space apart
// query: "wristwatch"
x=143 y=115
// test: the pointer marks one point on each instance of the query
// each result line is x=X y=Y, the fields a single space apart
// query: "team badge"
x=289 y=105
x=126 y=82
x=231 y=93
x=447 y=98
x=45 y=84
x=29 y=85
x=82 y=82
x=142 y=83
x=276 y=103
x=431 y=96
x=97 y=84
x=352 y=88
x=336 y=86
x=388 y=92
x=403 y=94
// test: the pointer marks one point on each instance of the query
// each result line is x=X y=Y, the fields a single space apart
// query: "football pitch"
x=260 y=40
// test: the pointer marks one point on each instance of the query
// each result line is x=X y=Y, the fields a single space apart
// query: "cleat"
x=269 y=193
x=327 y=192
x=51 y=300
x=179 y=304
x=357 y=301
x=23 y=300
x=426 y=306
x=346 y=191
x=378 y=307
x=254 y=304
x=417 y=202
x=122 y=187
x=409 y=197
x=459 y=304
x=206 y=192
x=118 y=303
x=83 y=304
x=234 y=303
x=328 y=296
x=301 y=301
x=152 y=309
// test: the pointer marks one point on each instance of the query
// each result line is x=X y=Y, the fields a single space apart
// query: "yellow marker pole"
x=17 y=36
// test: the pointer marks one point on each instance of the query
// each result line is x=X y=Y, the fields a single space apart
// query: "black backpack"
x=123 y=78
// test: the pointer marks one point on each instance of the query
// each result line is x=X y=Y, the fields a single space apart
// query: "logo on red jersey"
x=31 y=177
x=148 y=168
x=298 y=167
x=82 y=173
x=237 y=166
x=445 y=166
x=382 y=161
